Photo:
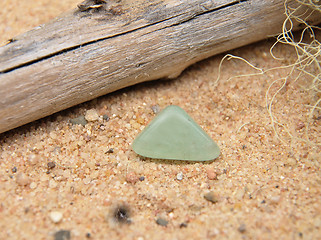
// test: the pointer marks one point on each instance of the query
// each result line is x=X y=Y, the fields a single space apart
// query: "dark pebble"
x=162 y=222
x=155 y=109
x=211 y=197
x=110 y=150
x=27 y=210
x=105 y=117
x=51 y=165
x=142 y=178
x=88 y=235
x=62 y=235
x=242 y=228
x=14 y=169
x=183 y=225
x=79 y=120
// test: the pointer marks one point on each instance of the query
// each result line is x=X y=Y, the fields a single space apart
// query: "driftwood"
x=102 y=46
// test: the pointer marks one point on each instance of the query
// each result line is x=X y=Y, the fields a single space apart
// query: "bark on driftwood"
x=102 y=46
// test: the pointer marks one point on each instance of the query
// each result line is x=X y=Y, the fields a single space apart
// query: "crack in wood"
x=96 y=4
x=224 y=7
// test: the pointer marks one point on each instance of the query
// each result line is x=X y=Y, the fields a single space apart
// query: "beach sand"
x=88 y=181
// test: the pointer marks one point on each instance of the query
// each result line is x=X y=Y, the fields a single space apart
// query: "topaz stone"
x=174 y=135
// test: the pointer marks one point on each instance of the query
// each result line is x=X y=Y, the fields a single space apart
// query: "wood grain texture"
x=103 y=46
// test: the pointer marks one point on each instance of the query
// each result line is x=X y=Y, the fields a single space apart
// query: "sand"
x=87 y=180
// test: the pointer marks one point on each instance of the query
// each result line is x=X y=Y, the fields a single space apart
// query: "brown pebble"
x=242 y=228
x=22 y=179
x=211 y=174
x=211 y=197
x=183 y=225
x=131 y=178
x=300 y=125
x=51 y=165
x=110 y=150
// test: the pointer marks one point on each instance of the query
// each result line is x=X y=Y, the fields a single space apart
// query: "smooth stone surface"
x=79 y=120
x=174 y=135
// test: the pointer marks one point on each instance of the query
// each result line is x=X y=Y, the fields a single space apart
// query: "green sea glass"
x=174 y=135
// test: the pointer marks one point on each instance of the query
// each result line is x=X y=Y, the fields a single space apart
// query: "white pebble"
x=275 y=199
x=87 y=180
x=55 y=216
x=179 y=176
x=92 y=115
x=22 y=179
x=33 y=185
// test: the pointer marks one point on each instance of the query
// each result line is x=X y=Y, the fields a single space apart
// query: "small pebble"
x=300 y=125
x=162 y=222
x=55 y=216
x=131 y=178
x=87 y=180
x=62 y=235
x=155 y=108
x=142 y=178
x=106 y=117
x=183 y=225
x=110 y=150
x=33 y=159
x=22 y=179
x=242 y=228
x=211 y=197
x=14 y=170
x=88 y=235
x=33 y=185
x=179 y=176
x=51 y=165
x=87 y=138
x=79 y=120
x=211 y=174
x=91 y=115
x=275 y=199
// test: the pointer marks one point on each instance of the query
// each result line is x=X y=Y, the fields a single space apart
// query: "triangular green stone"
x=173 y=134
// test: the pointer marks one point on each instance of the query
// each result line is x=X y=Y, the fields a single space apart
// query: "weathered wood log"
x=103 y=46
